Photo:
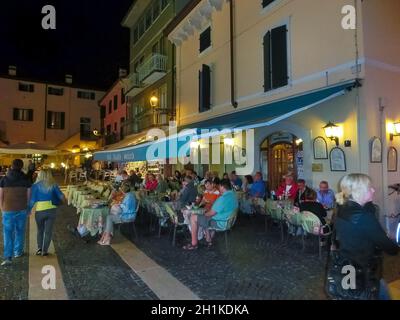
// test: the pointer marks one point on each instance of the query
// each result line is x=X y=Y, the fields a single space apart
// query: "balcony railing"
x=153 y=69
x=146 y=120
x=132 y=85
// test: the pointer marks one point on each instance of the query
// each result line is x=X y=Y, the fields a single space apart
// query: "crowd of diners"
x=218 y=196
x=359 y=239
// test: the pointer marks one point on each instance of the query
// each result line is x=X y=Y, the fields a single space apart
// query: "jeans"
x=384 y=293
x=14 y=233
x=45 y=221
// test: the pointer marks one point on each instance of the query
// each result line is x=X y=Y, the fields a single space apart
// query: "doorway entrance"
x=279 y=156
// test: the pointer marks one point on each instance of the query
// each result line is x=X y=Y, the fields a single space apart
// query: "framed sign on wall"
x=376 y=150
x=392 y=159
x=320 y=148
x=337 y=160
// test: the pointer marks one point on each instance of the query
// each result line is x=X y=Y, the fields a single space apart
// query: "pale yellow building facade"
x=322 y=50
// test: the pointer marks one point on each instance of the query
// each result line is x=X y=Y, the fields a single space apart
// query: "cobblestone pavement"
x=257 y=265
x=93 y=272
x=14 y=279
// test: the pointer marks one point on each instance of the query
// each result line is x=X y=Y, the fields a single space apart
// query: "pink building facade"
x=113 y=113
x=46 y=113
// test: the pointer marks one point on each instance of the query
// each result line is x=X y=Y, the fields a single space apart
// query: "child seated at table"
x=119 y=213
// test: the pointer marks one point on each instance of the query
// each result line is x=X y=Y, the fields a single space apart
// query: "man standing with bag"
x=15 y=191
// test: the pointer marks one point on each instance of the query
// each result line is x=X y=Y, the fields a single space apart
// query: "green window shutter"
x=267 y=62
x=279 y=57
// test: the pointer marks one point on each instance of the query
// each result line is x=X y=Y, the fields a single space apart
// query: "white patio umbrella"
x=27 y=148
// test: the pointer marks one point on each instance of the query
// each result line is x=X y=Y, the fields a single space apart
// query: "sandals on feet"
x=190 y=247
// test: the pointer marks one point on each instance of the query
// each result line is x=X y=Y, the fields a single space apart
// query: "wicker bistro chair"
x=227 y=226
x=313 y=226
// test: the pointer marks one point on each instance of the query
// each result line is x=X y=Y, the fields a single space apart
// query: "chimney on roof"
x=12 y=71
x=68 y=78
x=122 y=73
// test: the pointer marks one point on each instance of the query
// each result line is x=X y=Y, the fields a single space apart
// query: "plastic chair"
x=73 y=176
x=313 y=226
x=82 y=176
x=227 y=225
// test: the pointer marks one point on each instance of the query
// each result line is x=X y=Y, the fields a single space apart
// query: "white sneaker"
x=6 y=263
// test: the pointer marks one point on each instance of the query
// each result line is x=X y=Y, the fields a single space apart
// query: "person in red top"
x=210 y=194
x=289 y=188
x=151 y=183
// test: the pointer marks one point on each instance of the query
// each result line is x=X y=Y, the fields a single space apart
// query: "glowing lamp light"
x=299 y=142
x=393 y=129
x=52 y=165
x=154 y=101
x=63 y=164
x=397 y=128
x=76 y=149
x=194 y=144
x=229 y=142
x=332 y=132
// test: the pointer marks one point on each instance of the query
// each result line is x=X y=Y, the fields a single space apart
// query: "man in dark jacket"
x=188 y=193
x=14 y=198
x=301 y=192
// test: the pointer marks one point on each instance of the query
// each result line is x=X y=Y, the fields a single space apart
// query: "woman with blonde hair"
x=361 y=239
x=45 y=197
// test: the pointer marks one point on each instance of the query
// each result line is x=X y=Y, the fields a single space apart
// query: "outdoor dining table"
x=70 y=191
x=93 y=219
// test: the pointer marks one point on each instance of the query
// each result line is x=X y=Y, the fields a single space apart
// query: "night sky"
x=89 y=41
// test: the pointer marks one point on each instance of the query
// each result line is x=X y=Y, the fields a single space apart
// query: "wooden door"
x=281 y=160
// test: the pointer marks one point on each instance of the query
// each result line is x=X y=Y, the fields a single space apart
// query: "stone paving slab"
x=93 y=272
x=258 y=266
x=159 y=280
x=36 y=266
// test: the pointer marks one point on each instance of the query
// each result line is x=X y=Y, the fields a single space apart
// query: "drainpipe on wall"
x=232 y=48
x=173 y=92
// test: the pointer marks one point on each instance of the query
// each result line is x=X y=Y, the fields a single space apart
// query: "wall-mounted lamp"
x=396 y=131
x=97 y=133
x=154 y=101
x=299 y=142
x=332 y=131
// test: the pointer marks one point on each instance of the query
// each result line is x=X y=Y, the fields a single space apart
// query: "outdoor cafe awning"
x=255 y=117
x=26 y=148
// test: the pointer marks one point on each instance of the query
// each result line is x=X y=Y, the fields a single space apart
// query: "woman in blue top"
x=45 y=197
x=124 y=212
